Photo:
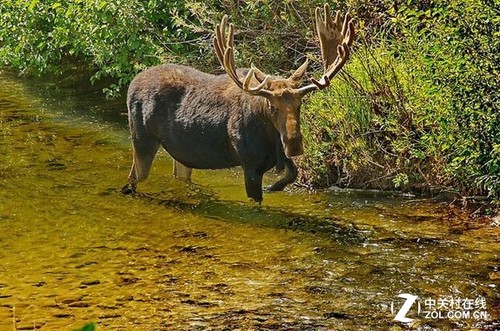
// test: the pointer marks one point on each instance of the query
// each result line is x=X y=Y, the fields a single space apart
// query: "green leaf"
x=88 y=327
x=33 y=4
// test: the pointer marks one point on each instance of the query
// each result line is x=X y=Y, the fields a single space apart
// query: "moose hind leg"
x=144 y=153
x=182 y=172
x=290 y=176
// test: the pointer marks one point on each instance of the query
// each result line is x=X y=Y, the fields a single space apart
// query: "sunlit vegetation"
x=415 y=108
x=88 y=327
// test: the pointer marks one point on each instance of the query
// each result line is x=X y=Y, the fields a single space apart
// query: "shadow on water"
x=73 y=98
x=207 y=205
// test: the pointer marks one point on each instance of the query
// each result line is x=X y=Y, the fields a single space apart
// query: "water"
x=74 y=250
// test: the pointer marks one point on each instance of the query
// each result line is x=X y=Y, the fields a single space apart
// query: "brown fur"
x=205 y=122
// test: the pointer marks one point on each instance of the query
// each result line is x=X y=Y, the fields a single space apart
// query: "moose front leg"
x=253 y=184
x=290 y=176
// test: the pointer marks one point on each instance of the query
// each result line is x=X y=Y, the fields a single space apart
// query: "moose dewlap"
x=242 y=118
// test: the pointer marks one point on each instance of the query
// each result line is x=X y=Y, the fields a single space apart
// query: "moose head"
x=284 y=95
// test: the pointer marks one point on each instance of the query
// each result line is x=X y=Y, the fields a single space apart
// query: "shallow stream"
x=74 y=250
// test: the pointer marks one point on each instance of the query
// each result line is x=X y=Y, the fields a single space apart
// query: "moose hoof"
x=269 y=189
x=128 y=189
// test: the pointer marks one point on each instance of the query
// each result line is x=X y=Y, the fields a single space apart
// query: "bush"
x=118 y=38
x=377 y=136
x=115 y=38
x=429 y=116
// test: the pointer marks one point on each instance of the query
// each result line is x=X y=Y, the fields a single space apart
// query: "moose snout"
x=291 y=137
x=293 y=146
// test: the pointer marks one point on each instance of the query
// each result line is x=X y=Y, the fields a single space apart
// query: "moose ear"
x=296 y=77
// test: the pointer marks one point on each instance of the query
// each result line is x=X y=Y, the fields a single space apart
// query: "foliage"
x=430 y=116
x=116 y=38
x=416 y=106
x=376 y=133
x=465 y=62
x=88 y=327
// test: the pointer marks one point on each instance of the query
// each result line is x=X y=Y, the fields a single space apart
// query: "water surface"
x=74 y=250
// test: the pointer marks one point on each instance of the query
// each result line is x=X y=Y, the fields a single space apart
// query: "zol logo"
x=405 y=308
x=443 y=307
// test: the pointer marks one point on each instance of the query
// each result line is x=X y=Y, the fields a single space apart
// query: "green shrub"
x=118 y=38
x=115 y=38
x=453 y=47
x=430 y=118
x=369 y=129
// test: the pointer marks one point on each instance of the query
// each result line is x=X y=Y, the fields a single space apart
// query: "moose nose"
x=294 y=147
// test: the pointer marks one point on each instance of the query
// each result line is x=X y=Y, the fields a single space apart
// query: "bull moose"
x=242 y=118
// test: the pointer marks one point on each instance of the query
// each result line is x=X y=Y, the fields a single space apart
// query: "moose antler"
x=335 y=40
x=224 y=49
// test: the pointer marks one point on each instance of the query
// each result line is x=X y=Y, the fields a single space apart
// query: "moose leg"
x=290 y=176
x=144 y=154
x=182 y=172
x=253 y=184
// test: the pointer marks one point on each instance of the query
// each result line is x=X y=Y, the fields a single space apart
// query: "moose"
x=241 y=118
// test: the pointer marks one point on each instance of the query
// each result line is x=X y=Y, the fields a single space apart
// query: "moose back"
x=243 y=117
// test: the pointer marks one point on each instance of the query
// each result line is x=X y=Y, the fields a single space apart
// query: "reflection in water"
x=199 y=256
